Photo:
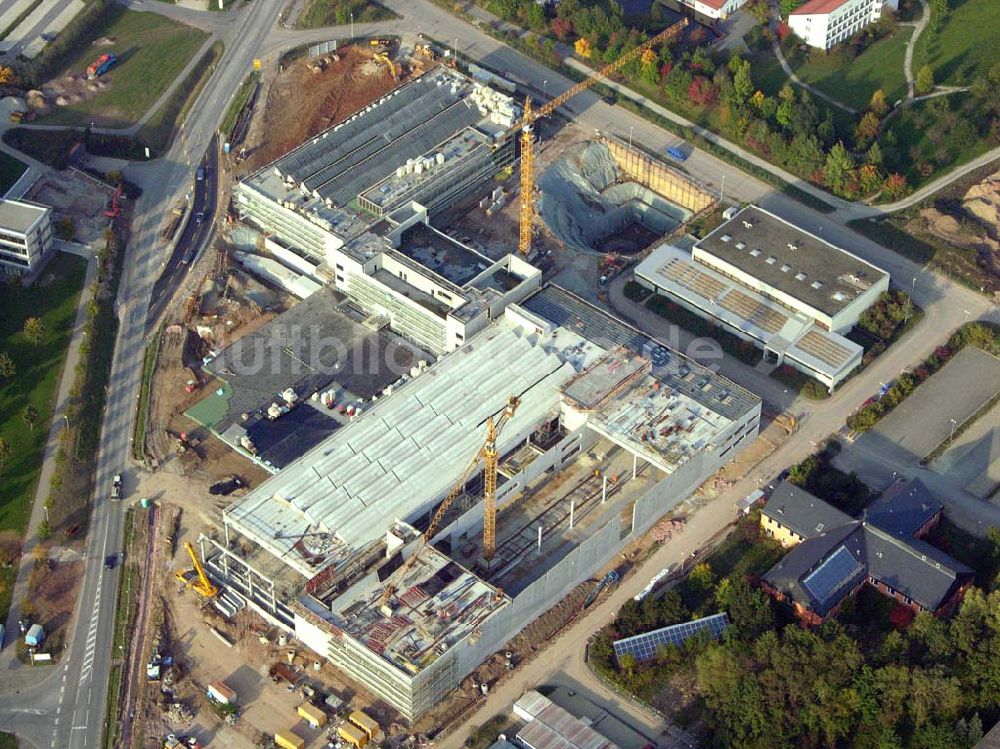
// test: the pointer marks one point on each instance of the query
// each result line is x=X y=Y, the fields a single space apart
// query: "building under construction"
x=353 y=207
x=612 y=431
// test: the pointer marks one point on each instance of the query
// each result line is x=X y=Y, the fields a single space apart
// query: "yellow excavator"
x=196 y=577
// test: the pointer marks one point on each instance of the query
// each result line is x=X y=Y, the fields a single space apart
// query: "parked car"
x=676 y=154
x=110 y=561
x=226 y=486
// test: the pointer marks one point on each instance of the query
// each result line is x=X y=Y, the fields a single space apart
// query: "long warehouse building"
x=614 y=430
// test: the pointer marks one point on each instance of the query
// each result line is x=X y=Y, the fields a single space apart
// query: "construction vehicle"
x=383 y=58
x=101 y=65
x=196 y=577
x=490 y=457
x=526 y=126
x=116 y=487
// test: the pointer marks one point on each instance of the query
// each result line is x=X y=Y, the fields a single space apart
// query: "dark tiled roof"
x=916 y=569
x=787 y=575
x=882 y=543
x=903 y=508
x=797 y=509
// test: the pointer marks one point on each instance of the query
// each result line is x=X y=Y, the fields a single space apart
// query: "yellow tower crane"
x=527 y=212
x=491 y=459
x=196 y=577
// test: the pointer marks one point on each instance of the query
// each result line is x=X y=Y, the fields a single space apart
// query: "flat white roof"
x=20 y=215
x=398 y=458
x=776 y=327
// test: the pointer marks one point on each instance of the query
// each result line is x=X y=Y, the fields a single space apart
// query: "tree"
x=750 y=610
x=742 y=81
x=869 y=177
x=562 y=28
x=650 y=69
x=838 y=167
x=874 y=155
x=7 y=367
x=30 y=416
x=878 y=104
x=34 y=330
x=44 y=530
x=582 y=47
x=866 y=129
x=5 y=451
x=6 y=75
x=895 y=186
x=702 y=91
x=924 y=81
x=939 y=11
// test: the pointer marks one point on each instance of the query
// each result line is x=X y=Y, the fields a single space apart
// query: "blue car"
x=676 y=154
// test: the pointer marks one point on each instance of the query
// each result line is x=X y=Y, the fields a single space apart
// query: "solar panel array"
x=837 y=571
x=644 y=647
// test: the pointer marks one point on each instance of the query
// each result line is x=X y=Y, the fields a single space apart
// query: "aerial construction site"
x=448 y=442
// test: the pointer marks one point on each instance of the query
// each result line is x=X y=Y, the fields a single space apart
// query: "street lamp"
x=544 y=84
x=630 y=129
x=953 y=425
x=352 y=26
x=784 y=393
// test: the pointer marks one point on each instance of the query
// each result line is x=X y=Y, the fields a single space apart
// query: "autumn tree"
x=34 y=329
x=838 y=167
x=866 y=129
x=895 y=185
x=582 y=47
x=650 y=67
x=878 y=104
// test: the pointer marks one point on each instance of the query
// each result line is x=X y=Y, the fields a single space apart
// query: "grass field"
x=8 y=741
x=319 y=13
x=10 y=170
x=53 y=298
x=967 y=44
x=152 y=51
x=852 y=82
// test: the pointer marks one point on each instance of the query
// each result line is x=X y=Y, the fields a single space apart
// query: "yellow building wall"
x=658 y=177
x=779 y=532
x=288 y=741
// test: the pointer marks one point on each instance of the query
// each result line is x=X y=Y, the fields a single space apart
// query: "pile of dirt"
x=349 y=82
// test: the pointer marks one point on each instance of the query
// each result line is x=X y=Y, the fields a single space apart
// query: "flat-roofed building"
x=328 y=533
x=761 y=278
x=825 y=23
x=26 y=238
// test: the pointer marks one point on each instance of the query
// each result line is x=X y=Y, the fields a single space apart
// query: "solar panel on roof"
x=839 y=569
x=645 y=646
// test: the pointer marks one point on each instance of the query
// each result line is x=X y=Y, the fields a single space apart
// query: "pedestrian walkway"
x=16 y=676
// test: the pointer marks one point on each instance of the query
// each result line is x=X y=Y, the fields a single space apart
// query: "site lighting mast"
x=527 y=208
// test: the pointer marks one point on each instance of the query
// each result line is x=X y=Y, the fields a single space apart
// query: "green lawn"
x=966 y=45
x=767 y=72
x=10 y=170
x=152 y=50
x=319 y=13
x=53 y=298
x=8 y=741
x=852 y=82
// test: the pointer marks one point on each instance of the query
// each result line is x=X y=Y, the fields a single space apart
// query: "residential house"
x=833 y=554
x=824 y=23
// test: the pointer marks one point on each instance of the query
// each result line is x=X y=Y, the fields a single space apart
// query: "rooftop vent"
x=793 y=246
x=816 y=284
x=755 y=253
x=740 y=245
x=839 y=296
x=771 y=260
x=800 y=276
x=785 y=268
x=726 y=238
x=748 y=224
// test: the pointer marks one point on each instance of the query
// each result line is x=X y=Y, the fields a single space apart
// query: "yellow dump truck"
x=288 y=740
x=352 y=735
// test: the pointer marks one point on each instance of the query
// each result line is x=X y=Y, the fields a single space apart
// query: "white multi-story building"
x=824 y=23
x=768 y=282
x=25 y=236
x=714 y=8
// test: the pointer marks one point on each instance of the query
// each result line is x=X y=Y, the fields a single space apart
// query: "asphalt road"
x=193 y=238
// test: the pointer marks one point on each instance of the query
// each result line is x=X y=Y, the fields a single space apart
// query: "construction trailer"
x=312 y=715
x=288 y=740
x=366 y=723
x=221 y=693
x=352 y=735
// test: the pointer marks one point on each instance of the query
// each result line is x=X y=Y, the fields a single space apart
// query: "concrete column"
x=572 y=507
x=604 y=491
x=635 y=464
x=539 y=539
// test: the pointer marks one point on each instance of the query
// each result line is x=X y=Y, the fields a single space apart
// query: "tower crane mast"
x=527 y=206
x=490 y=457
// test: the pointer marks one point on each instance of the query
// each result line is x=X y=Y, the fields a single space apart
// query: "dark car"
x=199 y=217
x=110 y=561
x=200 y=174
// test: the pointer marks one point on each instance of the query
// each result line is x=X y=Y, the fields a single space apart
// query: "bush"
x=636 y=292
